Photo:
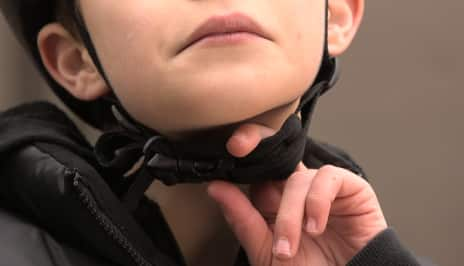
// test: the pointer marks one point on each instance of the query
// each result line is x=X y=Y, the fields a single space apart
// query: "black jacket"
x=58 y=207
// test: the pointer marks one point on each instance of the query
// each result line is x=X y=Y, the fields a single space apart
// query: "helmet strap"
x=200 y=160
x=85 y=36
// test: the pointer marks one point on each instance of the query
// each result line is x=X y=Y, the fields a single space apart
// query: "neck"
x=202 y=223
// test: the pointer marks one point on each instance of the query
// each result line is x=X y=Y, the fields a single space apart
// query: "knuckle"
x=299 y=178
x=316 y=199
x=329 y=168
x=286 y=225
x=335 y=173
x=332 y=173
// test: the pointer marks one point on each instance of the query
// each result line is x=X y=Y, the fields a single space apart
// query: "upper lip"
x=234 y=22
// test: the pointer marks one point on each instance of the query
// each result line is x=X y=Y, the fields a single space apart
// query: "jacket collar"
x=52 y=177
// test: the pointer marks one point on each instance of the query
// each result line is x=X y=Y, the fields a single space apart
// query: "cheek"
x=131 y=55
x=304 y=41
x=128 y=34
x=124 y=51
x=304 y=37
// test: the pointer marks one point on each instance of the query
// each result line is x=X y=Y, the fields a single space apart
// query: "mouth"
x=234 y=24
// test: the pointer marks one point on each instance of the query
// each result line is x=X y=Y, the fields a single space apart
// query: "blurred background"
x=397 y=109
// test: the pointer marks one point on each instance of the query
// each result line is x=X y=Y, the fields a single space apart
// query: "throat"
x=200 y=230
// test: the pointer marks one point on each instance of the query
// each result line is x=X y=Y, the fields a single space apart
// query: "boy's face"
x=206 y=84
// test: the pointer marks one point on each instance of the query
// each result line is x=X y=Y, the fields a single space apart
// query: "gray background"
x=397 y=110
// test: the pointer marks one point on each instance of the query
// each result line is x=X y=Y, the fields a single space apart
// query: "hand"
x=315 y=217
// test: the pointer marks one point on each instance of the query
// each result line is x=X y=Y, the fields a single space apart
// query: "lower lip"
x=227 y=38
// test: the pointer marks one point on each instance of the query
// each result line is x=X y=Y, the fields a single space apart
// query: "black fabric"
x=44 y=179
x=40 y=177
x=23 y=243
x=318 y=154
x=384 y=250
x=200 y=160
x=41 y=122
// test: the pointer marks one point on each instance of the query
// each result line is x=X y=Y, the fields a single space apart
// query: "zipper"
x=88 y=200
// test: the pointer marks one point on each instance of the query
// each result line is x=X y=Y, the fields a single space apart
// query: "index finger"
x=289 y=220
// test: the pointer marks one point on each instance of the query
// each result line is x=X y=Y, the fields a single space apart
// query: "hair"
x=64 y=14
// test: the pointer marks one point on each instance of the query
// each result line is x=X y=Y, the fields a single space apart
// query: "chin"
x=210 y=105
x=209 y=98
x=220 y=120
x=221 y=129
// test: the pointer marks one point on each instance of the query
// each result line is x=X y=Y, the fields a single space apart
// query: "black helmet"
x=26 y=18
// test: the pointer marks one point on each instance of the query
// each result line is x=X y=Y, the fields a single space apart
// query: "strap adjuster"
x=175 y=170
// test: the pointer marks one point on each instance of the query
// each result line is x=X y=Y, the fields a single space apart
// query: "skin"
x=259 y=80
x=255 y=85
x=316 y=217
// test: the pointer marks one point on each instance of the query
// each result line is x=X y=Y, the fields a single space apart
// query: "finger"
x=289 y=222
x=245 y=221
x=245 y=139
x=266 y=197
x=301 y=167
x=329 y=183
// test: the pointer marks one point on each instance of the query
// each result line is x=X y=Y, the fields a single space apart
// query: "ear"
x=69 y=63
x=344 y=19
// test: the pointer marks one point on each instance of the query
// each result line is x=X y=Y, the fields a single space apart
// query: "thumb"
x=245 y=221
x=246 y=138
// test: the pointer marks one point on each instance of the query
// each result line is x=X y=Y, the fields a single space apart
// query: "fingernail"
x=282 y=247
x=311 y=225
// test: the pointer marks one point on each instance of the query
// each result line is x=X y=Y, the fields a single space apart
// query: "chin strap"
x=203 y=160
x=199 y=160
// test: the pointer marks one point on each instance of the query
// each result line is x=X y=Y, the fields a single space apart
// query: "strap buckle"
x=176 y=170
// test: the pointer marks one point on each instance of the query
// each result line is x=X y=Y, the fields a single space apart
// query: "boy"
x=185 y=91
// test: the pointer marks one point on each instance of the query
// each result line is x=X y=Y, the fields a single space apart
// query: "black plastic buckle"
x=173 y=170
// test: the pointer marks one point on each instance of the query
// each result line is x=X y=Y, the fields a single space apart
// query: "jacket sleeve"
x=385 y=250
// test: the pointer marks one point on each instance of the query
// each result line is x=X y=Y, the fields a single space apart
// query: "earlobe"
x=343 y=22
x=69 y=64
